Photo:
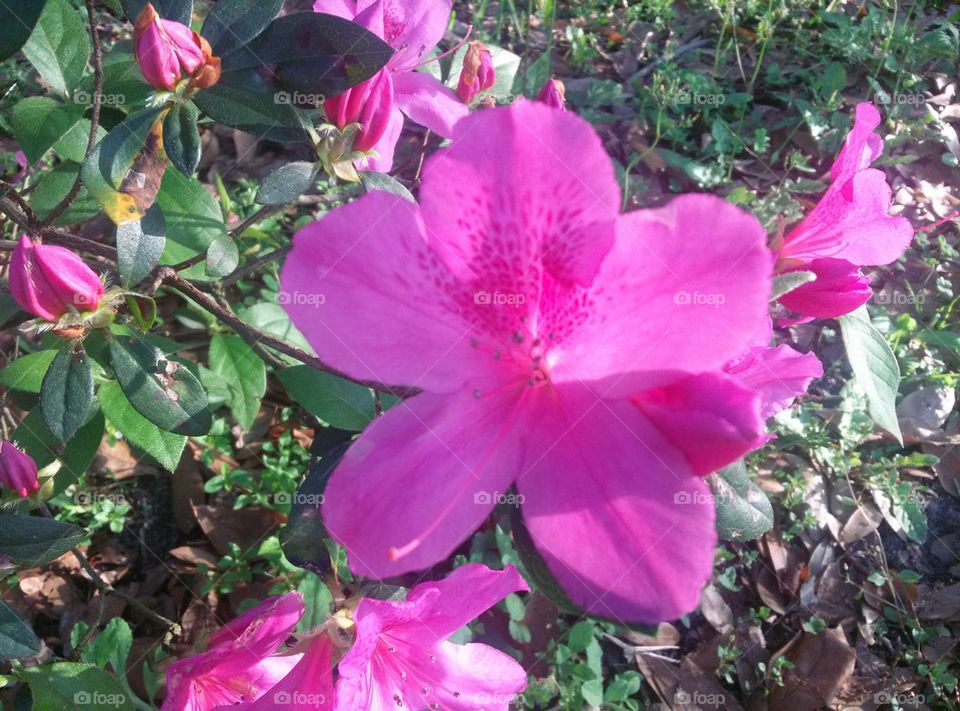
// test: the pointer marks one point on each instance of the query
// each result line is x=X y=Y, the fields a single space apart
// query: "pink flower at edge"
x=402 y=658
x=239 y=664
x=477 y=74
x=18 y=470
x=49 y=281
x=556 y=352
x=413 y=28
x=850 y=227
x=553 y=94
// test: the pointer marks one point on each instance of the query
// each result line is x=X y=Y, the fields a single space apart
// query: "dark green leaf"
x=34 y=540
x=222 y=256
x=70 y=685
x=59 y=46
x=333 y=400
x=181 y=138
x=286 y=183
x=17 y=20
x=26 y=372
x=244 y=100
x=17 y=639
x=54 y=186
x=40 y=121
x=140 y=245
x=75 y=458
x=233 y=23
x=317 y=600
x=874 y=366
x=67 y=394
x=73 y=144
x=162 y=390
x=165 y=447
x=143 y=309
x=372 y=180
x=178 y=10
x=743 y=510
x=245 y=375
x=193 y=219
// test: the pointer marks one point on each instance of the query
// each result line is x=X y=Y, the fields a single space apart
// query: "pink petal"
x=840 y=287
x=428 y=102
x=309 y=684
x=341 y=8
x=523 y=200
x=374 y=300
x=382 y=162
x=262 y=628
x=621 y=521
x=778 y=374
x=851 y=222
x=419 y=480
x=710 y=418
x=684 y=289
x=861 y=147
x=412 y=27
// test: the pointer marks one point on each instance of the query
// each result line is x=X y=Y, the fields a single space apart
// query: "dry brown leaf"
x=822 y=663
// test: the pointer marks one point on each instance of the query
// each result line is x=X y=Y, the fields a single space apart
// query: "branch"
x=94 y=115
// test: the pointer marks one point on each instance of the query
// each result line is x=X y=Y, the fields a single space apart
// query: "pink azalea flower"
x=239 y=664
x=18 y=470
x=49 y=281
x=561 y=348
x=402 y=658
x=848 y=228
x=553 y=94
x=165 y=50
x=413 y=28
x=309 y=684
x=477 y=74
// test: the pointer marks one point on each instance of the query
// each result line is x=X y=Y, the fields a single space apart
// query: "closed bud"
x=367 y=104
x=168 y=51
x=477 y=74
x=49 y=281
x=553 y=94
x=18 y=471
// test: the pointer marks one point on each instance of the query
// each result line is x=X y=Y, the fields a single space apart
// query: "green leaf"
x=244 y=100
x=245 y=375
x=743 y=510
x=274 y=320
x=317 y=600
x=54 y=186
x=112 y=646
x=233 y=23
x=372 y=180
x=140 y=245
x=17 y=20
x=286 y=183
x=193 y=219
x=222 y=256
x=333 y=400
x=73 y=144
x=181 y=138
x=17 y=639
x=67 y=394
x=71 y=685
x=34 y=540
x=165 y=447
x=785 y=283
x=40 y=121
x=26 y=372
x=874 y=366
x=162 y=390
x=143 y=309
x=59 y=46
x=179 y=10
x=36 y=440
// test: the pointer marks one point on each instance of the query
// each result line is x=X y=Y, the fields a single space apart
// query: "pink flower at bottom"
x=561 y=348
x=402 y=659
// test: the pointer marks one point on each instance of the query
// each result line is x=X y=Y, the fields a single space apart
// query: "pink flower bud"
x=553 y=94
x=166 y=50
x=477 y=74
x=18 y=471
x=49 y=281
x=369 y=103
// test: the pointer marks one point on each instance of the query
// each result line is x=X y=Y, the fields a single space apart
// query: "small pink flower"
x=239 y=664
x=402 y=658
x=18 y=471
x=167 y=51
x=560 y=347
x=553 y=94
x=49 y=281
x=369 y=104
x=848 y=228
x=477 y=74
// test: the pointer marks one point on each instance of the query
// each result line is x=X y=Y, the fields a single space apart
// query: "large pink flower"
x=401 y=657
x=413 y=28
x=239 y=664
x=848 y=228
x=562 y=348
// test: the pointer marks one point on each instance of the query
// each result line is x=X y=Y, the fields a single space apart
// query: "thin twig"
x=256 y=264
x=94 y=115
